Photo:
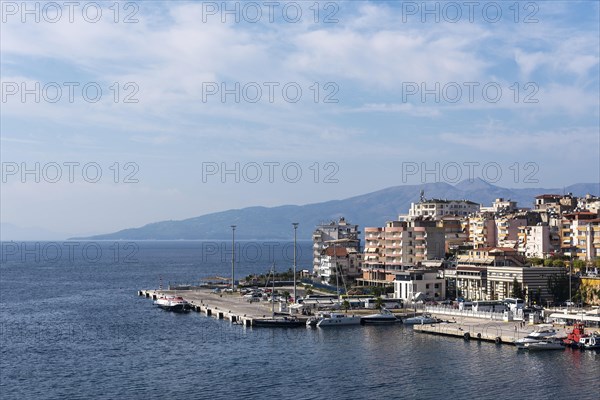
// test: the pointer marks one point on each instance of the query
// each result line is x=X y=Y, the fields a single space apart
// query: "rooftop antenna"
x=422 y=196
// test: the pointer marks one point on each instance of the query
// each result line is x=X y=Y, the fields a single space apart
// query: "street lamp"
x=232 y=258
x=295 y=224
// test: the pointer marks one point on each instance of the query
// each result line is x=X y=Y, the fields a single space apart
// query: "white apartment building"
x=341 y=232
x=428 y=282
x=534 y=241
x=437 y=208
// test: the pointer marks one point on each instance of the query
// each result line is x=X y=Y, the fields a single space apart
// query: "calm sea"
x=73 y=327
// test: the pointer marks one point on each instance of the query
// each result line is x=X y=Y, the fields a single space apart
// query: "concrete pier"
x=227 y=306
x=490 y=331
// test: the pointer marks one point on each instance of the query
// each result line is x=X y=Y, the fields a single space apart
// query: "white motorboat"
x=543 y=345
x=420 y=320
x=315 y=319
x=173 y=303
x=338 y=319
x=385 y=316
x=541 y=333
x=590 y=342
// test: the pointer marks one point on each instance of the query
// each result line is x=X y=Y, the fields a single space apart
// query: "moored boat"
x=590 y=342
x=278 y=322
x=338 y=319
x=541 y=345
x=385 y=316
x=420 y=320
x=173 y=303
x=574 y=337
x=543 y=331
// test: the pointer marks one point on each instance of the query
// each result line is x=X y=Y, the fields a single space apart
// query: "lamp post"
x=232 y=258
x=295 y=224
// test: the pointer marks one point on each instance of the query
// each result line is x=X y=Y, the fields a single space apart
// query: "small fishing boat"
x=590 y=342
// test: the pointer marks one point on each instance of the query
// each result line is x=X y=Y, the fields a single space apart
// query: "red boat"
x=577 y=333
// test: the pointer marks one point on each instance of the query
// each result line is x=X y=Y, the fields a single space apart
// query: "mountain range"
x=371 y=209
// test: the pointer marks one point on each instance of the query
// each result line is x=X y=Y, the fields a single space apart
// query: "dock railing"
x=446 y=310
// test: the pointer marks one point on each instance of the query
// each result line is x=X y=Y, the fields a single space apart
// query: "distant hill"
x=371 y=209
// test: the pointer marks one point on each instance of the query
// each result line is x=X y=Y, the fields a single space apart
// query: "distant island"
x=371 y=209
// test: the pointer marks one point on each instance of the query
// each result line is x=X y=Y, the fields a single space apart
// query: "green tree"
x=558 y=286
x=376 y=291
x=558 y=263
x=578 y=265
x=346 y=305
x=378 y=302
x=548 y=262
x=535 y=261
x=286 y=295
x=517 y=289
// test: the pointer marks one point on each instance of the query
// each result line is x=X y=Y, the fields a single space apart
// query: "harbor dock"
x=476 y=329
x=232 y=307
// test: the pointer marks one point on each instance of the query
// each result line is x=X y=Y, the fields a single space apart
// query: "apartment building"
x=341 y=232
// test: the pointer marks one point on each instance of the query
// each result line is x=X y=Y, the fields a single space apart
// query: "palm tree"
x=346 y=306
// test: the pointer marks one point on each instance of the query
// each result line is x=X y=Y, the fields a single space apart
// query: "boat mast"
x=273 y=290
x=295 y=230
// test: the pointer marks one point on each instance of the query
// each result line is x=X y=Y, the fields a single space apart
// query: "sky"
x=115 y=115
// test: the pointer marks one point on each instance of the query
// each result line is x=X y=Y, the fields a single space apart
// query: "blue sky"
x=373 y=63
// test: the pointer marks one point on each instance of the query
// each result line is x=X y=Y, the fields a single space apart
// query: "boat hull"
x=543 y=346
x=278 y=323
x=378 y=320
x=332 y=322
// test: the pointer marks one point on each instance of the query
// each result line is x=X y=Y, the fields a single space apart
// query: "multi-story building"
x=573 y=234
x=455 y=232
x=399 y=245
x=533 y=282
x=489 y=274
x=588 y=239
x=500 y=206
x=507 y=231
x=489 y=230
x=589 y=203
x=340 y=263
x=341 y=232
x=437 y=208
x=555 y=203
x=408 y=284
x=482 y=230
x=534 y=241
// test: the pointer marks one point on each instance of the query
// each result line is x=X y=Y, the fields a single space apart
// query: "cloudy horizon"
x=160 y=110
